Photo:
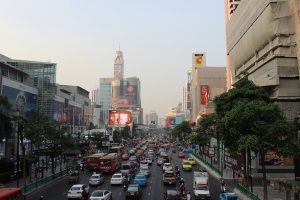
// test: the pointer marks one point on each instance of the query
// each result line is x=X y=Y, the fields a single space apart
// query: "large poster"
x=23 y=98
x=120 y=117
x=124 y=95
x=272 y=158
x=203 y=94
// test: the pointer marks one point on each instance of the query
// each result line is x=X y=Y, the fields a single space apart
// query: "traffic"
x=159 y=169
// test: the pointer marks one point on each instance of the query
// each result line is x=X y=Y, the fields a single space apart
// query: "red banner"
x=204 y=94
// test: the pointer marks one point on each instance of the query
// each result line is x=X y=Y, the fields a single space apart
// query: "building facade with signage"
x=207 y=83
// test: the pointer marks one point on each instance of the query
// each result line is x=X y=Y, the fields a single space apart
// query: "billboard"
x=203 y=94
x=119 y=117
x=178 y=120
x=22 y=98
x=124 y=94
x=198 y=60
x=272 y=158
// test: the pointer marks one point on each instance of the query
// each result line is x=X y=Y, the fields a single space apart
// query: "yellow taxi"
x=186 y=165
x=192 y=161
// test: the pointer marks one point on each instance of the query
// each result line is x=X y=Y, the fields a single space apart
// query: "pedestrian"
x=84 y=195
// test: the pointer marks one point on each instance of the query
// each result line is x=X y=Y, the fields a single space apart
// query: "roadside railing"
x=246 y=192
x=43 y=181
x=212 y=167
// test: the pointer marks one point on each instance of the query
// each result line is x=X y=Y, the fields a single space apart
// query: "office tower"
x=119 y=65
x=105 y=99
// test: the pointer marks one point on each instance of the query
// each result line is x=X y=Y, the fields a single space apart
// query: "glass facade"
x=105 y=99
x=44 y=77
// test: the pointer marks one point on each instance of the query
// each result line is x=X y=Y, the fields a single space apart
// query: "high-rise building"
x=262 y=46
x=105 y=99
x=152 y=118
x=126 y=94
x=119 y=65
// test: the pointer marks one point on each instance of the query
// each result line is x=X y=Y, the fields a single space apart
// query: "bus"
x=11 y=194
x=93 y=160
x=109 y=163
x=117 y=149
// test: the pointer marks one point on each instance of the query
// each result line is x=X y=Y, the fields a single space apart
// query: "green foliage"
x=181 y=130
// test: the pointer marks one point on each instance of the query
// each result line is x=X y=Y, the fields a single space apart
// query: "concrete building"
x=262 y=44
x=151 y=118
x=105 y=100
x=96 y=108
x=73 y=106
x=207 y=82
x=19 y=89
x=187 y=104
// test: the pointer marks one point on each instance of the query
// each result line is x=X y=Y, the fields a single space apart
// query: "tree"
x=247 y=114
x=182 y=130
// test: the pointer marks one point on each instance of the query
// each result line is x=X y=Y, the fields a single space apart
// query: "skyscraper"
x=119 y=65
x=105 y=99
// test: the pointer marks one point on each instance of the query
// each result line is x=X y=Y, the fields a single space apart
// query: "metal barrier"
x=246 y=192
x=212 y=167
x=43 y=181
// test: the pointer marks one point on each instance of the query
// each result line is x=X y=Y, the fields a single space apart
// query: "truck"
x=201 y=185
x=169 y=177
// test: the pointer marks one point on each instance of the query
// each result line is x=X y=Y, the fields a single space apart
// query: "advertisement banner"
x=178 y=120
x=22 y=98
x=199 y=60
x=273 y=159
x=124 y=95
x=119 y=117
x=203 y=94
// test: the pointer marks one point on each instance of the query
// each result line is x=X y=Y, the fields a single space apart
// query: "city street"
x=154 y=189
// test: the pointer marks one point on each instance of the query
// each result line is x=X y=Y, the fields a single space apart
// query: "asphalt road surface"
x=153 y=191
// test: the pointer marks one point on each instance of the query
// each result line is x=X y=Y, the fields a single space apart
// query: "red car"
x=125 y=156
x=181 y=155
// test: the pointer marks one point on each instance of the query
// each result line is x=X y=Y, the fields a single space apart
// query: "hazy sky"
x=157 y=38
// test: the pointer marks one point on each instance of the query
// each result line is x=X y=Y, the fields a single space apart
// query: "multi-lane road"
x=154 y=189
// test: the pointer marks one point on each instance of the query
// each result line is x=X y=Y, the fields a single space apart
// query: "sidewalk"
x=257 y=190
x=47 y=173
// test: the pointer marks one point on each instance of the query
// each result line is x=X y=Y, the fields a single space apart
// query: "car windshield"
x=97 y=194
x=169 y=174
x=186 y=163
x=75 y=188
x=167 y=164
x=201 y=187
x=139 y=177
x=133 y=189
x=116 y=176
x=95 y=176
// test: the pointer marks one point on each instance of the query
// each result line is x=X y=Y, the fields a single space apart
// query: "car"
x=140 y=179
x=172 y=195
x=173 y=150
x=186 y=165
x=160 y=161
x=145 y=171
x=125 y=168
x=181 y=155
x=229 y=196
x=117 y=179
x=125 y=156
x=101 y=195
x=133 y=158
x=167 y=167
x=192 y=161
x=134 y=191
x=149 y=160
x=169 y=177
x=96 y=179
x=73 y=176
x=75 y=192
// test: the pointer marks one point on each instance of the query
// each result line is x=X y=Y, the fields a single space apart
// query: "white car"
x=101 y=195
x=76 y=191
x=117 y=179
x=149 y=160
x=96 y=179
x=167 y=167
